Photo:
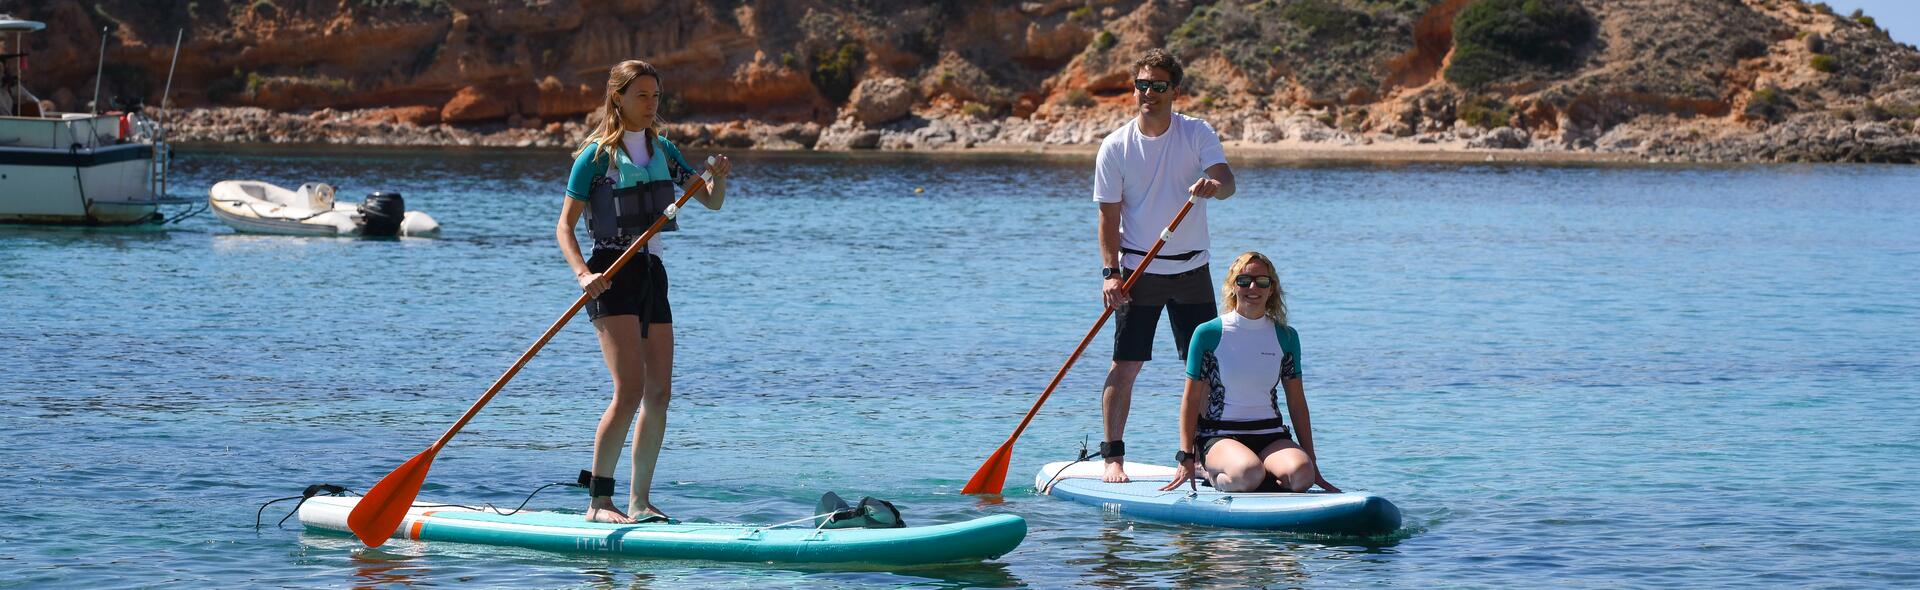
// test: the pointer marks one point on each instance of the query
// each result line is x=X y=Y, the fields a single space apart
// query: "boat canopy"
x=8 y=23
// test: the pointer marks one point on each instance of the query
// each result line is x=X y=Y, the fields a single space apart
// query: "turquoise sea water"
x=1575 y=376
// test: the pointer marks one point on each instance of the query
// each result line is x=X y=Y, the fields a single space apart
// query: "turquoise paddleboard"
x=981 y=538
x=1346 y=513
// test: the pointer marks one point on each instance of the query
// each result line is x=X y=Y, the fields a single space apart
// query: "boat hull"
x=109 y=185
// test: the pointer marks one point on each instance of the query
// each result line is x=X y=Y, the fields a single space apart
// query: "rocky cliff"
x=1728 y=80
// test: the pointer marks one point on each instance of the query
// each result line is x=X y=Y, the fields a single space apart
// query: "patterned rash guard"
x=1242 y=361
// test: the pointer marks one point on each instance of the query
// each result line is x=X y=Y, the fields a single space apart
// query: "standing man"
x=1141 y=178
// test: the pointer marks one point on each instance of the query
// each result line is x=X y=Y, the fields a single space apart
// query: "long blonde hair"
x=607 y=136
x=1276 y=305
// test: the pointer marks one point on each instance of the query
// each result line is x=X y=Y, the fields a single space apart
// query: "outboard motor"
x=381 y=214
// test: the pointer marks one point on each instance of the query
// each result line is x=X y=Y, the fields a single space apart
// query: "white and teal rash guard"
x=1242 y=361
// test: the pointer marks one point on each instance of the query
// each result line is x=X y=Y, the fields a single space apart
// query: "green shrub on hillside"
x=1860 y=16
x=1497 y=40
x=1331 y=47
x=1327 y=20
x=1769 y=103
x=1103 y=41
x=835 y=69
x=1484 y=112
x=1823 y=63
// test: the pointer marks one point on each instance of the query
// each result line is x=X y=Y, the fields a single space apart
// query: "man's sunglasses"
x=1262 y=281
x=1158 y=86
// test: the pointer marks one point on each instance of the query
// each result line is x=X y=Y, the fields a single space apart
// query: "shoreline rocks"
x=1813 y=137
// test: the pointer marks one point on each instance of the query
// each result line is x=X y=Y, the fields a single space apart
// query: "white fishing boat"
x=255 y=207
x=74 y=168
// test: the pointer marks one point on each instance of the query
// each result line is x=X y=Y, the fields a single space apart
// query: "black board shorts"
x=1256 y=442
x=1188 y=299
x=640 y=288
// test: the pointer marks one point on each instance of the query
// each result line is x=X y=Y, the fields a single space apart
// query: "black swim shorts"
x=1188 y=299
x=640 y=288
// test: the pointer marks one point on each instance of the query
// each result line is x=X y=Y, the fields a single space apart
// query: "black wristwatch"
x=1182 y=456
x=1110 y=273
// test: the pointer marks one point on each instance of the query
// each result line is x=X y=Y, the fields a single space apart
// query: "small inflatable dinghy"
x=252 y=206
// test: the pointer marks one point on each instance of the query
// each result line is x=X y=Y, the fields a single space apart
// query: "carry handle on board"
x=378 y=514
x=992 y=475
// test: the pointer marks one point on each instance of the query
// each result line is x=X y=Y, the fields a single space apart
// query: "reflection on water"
x=374 y=568
x=1115 y=560
x=1212 y=560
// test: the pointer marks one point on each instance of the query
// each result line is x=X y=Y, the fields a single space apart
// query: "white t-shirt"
x=1149 y=177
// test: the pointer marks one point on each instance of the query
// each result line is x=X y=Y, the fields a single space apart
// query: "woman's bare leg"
x=653 y=416
x=621 y=347
x=1234 y=466
x=1290 y=464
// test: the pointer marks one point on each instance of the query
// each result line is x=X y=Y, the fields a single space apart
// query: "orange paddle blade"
x=992 y=474
x=378 y=514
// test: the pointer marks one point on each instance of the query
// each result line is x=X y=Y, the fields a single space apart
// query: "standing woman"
x=1230 y=416
x=624 y=177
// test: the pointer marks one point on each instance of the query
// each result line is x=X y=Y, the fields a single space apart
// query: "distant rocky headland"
x=1661 y=80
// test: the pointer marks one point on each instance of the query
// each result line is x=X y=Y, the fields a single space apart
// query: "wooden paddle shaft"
x=699 y=183
x=1126 y=287
x=1005 y=450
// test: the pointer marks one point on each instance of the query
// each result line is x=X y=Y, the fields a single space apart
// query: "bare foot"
x=650 y=513
x=1115 y=473
x=602 y=510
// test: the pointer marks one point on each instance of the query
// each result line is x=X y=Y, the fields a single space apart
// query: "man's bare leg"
x=1115 y=398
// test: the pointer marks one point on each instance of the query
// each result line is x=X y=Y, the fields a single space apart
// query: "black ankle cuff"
x=1113 y=449
x=596 y=486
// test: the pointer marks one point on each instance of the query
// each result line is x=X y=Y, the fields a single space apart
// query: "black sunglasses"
x=1262 y=281
x=1156 y=85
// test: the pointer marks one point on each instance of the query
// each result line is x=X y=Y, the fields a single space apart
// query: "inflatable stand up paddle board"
x=1316 y=512
x=981 y=538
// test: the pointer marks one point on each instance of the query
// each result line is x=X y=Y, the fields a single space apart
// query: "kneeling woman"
x=1230 y=420
x=623 y=178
